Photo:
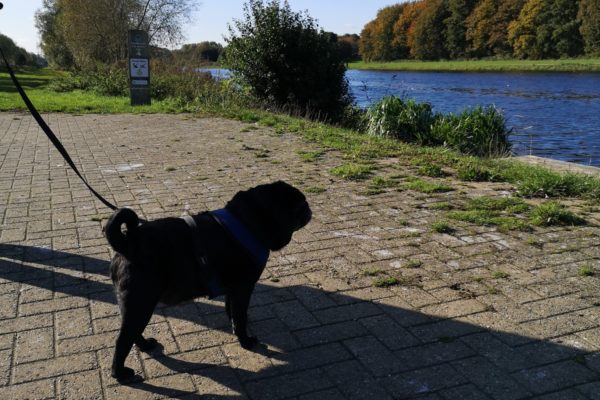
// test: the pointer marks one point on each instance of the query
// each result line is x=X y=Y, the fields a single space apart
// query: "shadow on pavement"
x=316 y=341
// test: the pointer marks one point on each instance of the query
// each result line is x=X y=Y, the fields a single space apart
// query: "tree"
x=52 y=42
x=287 y=60
x=589 y=15
x=546 y=29
x=378 y=35
x=404 y=28
x=429 y=42
x=16 y=55
x=564 y=28
x=366 y=45
x=487 y=27
x=522 y=33
x=456 y=41
x=349 y=44
x=90 y=31
x=198 y=53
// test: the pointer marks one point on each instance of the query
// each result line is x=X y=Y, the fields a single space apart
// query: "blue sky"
x=211 y=19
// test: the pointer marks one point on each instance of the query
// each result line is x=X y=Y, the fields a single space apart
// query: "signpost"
x=139 y=68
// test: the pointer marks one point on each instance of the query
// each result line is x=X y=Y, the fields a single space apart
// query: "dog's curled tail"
x=116 y=238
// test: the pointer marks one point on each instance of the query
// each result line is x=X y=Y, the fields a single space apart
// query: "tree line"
x=17 y=55
x=460 y=29
x=80 y=33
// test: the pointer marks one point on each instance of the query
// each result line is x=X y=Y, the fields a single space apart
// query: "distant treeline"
x=459 y=29
x=19 y=56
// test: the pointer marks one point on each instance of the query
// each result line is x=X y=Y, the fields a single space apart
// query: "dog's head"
x=273 y=212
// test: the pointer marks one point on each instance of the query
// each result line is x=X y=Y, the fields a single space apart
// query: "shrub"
x=287 y=60
x=478 y=131
x=408 y=121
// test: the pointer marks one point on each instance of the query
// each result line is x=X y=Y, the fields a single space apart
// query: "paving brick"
x=54 y=367
x=294 y=384
x=330 y=333
x=391 y=334
x=552 y=377
x=454 y=309
x=408 y=385
x=33 y=345
x=38 y=390
x=325 y=331
x=330 y=394
x=418 y=357
x=218 y=383
x=172 y=386
x=465 y=392
x=294 y=315
x=5 y=363
x=374 y=355
x=492 y=380
x=346 y=313
x=83 y=385
x=161 y=365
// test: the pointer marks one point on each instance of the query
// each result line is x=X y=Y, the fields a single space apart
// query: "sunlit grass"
x=562 y=65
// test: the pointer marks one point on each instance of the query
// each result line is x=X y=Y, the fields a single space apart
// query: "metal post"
x=139 y=68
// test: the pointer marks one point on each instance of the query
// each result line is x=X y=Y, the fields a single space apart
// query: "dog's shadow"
x=326 y=341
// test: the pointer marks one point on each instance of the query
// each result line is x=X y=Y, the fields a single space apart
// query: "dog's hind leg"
x=135 y=313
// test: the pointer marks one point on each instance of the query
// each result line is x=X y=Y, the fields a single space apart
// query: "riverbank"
x=360 y=148
x=564 y=65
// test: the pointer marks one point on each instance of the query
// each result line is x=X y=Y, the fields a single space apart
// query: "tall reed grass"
x=478 y=131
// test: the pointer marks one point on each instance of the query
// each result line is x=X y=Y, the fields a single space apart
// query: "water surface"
x=554 y=115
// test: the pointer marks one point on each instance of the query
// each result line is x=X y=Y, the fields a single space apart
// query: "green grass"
x=553 y=213
x=310 y=156
x=442 y=227
x=385 y=282
x=586 y=270
x=315 y=189
x=443 y=205
x=423 y=186
x=509 y=204
x=563 y=65
x=499 y=275
x=356 y=147
x=490 y=218
x=372 y=272
x=352 y=171
x=432 y=170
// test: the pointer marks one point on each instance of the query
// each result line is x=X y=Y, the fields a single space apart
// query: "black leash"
x=61 y=149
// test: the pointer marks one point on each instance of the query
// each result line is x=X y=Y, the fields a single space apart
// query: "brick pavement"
x=451 y=330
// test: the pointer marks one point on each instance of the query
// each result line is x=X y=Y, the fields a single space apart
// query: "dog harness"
x=238 y=231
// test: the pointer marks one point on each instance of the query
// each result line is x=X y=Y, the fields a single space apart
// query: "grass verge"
x=563 y=65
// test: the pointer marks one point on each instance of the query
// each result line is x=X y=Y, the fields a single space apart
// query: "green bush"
x=408 y=120
x=479 y=131
x=288 y=61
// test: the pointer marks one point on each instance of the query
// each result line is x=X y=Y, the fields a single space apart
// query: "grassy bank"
x=35 y=82
x=360 y=149
x=565 y=65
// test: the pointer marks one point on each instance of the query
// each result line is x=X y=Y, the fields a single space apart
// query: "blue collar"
x=239 y=231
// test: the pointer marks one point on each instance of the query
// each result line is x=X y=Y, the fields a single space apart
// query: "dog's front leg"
x=236 y=306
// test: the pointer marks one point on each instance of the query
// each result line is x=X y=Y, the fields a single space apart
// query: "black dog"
x=176 y=259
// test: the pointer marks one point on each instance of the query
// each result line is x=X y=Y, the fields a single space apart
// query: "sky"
x=209 y=23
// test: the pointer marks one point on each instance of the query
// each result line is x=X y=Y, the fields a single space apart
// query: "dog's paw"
x=147 y=344
x=248 y=342
x=123 y=374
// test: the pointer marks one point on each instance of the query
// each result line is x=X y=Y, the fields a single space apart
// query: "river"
x=554 y=115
